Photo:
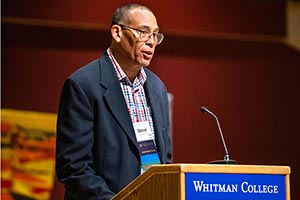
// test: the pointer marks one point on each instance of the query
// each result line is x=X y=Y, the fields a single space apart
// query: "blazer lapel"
x=115 y=99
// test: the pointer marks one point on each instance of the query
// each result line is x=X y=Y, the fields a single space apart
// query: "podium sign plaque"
x=235 y=186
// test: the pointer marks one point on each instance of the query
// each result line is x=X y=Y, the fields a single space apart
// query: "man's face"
x=139 y=53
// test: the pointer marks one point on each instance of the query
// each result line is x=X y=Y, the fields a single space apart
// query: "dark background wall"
x=230 y=56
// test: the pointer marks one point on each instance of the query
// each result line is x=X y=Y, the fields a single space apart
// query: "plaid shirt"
x=134 y=94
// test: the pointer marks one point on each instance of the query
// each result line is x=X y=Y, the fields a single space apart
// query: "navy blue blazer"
x=96 y=148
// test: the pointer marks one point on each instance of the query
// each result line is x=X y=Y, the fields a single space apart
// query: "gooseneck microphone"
x=226 y=157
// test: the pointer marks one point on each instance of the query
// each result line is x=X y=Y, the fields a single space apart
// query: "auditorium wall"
x=230 y=56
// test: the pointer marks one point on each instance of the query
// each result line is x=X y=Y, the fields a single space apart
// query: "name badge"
x=147 y=146
x=143 y=131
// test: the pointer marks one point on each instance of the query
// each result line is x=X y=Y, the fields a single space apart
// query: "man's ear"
x=116 y=32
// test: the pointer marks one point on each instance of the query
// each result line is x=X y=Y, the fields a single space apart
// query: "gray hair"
x=120 y=16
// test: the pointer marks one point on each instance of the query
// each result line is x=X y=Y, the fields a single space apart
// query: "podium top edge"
x=222 y=168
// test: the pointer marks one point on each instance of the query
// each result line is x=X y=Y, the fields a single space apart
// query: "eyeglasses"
x=145 y=35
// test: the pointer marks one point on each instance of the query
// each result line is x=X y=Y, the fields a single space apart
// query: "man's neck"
x=130 y=70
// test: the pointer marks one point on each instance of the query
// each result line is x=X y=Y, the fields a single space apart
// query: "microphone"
x=226 y=160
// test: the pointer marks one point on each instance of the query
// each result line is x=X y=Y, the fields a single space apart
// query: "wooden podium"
x=209 y=181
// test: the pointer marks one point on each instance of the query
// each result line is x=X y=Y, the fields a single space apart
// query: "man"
x=113 y=119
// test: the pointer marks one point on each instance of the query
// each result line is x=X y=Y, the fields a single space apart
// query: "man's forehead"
x=143 y=18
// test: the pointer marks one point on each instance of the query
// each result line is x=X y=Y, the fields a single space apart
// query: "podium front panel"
x=209 y=182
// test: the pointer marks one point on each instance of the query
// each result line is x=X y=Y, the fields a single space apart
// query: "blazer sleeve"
x=74 y=158
x=168 y=139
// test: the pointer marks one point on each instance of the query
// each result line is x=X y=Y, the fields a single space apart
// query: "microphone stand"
x=227 y=159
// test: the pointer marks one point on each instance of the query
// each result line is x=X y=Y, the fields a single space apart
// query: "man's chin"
x=146 y=63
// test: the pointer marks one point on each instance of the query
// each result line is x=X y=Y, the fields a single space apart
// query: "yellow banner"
x=27 y=153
